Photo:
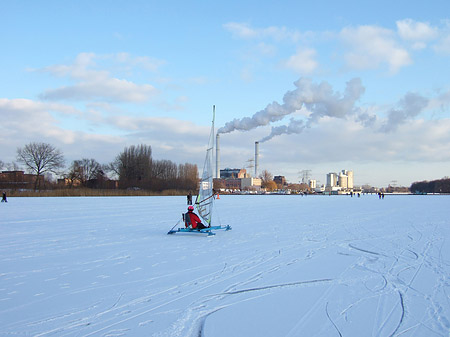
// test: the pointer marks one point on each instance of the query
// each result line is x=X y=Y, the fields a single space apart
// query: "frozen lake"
x=291 y=266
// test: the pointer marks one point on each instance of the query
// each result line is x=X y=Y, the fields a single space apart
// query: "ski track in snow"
x=292 y=265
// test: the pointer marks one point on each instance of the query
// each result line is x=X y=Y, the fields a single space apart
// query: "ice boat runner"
x=206 y=195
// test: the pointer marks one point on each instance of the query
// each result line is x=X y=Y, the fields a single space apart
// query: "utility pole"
x=305 y=175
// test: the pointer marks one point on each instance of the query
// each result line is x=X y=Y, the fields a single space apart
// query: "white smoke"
x=294 y=126
x=324 y=102
x=410 y=106
x=272 y=113
x=319 y=99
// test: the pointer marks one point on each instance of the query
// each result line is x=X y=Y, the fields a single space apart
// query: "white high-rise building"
x=343 y=179
x=331 y=179
x=350 y=179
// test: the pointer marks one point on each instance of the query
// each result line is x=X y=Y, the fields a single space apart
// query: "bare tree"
x=188 y=176
x=134 y=165
x=40 y=158
x=84 y=170
x=135 y=168
x=266 y=178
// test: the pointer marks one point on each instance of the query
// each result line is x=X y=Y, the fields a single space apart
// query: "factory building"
x=346 y=180
x=229 y=173
x=340 y=182
x=237 y=179
x=280 y=180
x=331 y=180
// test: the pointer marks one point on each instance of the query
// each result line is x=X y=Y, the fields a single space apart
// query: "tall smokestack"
x=256 y=158
x=217 y=157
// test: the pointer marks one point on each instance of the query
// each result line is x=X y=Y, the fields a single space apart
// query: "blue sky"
x=327 y=85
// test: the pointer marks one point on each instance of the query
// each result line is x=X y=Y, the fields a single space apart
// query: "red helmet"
x=190 y=208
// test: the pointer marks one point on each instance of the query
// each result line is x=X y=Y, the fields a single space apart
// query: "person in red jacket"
x=192 y=220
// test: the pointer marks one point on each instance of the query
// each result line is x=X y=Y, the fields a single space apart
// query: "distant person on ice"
x=4 y=197
x=192 y=220
x=189 y=198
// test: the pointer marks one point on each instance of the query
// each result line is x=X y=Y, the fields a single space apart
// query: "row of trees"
x=134 y=167
x=434 y=186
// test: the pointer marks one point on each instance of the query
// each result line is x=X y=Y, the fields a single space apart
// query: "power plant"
x=237 y=178
x=218 y=157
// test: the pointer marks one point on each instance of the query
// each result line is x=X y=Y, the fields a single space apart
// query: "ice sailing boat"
x=206 y=195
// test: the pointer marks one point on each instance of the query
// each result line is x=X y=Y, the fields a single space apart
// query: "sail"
x=205 y=196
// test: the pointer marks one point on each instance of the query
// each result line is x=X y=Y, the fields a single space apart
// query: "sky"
x=324 y=85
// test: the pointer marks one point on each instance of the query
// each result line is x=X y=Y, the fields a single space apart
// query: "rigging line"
x=175 y=224
x=211 y=196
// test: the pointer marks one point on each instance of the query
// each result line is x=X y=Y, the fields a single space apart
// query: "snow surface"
x=291 y=266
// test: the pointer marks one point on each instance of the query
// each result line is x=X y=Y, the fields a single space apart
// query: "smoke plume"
x=272 y=113
x=294 y=126
x=410 y=106
x=319 y=99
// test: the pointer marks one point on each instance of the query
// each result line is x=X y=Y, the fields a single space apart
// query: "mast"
x=205 y=196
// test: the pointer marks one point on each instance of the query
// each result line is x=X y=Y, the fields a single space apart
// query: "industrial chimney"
x=256 y=158
x=217 y=157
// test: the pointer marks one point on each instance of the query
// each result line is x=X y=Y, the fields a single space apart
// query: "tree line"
x=433 y=186
x=133 y=168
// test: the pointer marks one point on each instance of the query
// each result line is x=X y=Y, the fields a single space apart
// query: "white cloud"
x=245 y=31
x=27 y=121
x=266 y=49
x=337 y=140
x=241 y=30
x=108 y=89
x=372 y=46
x=303 y=62
x=148 y=63
x=79 y=68
x=93 y=84
x=419 y=33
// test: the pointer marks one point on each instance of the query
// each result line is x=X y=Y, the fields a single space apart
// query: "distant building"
x=350 y=184
x=239 y=184
x=346 y=179
x=18 y=180
x=229 y=173
x=91 y=183
x=251 y=183
x=320 y=189
x=342 y=181
x=312 y=184
x=237 y=179
x=280 y=180
x=64 y=182
x=331 y=180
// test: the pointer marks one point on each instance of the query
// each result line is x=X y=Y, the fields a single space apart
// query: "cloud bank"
x=97 y=85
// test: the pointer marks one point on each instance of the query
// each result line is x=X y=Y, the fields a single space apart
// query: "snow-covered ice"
x=291 y=266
